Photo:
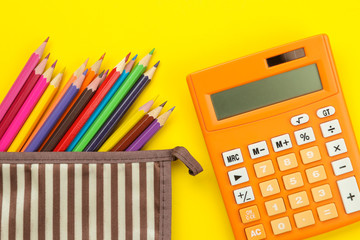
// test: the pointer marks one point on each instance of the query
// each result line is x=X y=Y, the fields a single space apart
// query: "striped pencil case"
x=110 y=195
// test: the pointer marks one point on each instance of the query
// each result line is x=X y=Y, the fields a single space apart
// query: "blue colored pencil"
x=109 y=126
x=102 y=104
x=55 y=115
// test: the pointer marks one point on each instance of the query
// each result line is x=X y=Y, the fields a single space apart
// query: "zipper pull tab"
x=183 y=155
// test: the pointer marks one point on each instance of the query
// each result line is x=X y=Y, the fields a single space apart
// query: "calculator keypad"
x=313 y=174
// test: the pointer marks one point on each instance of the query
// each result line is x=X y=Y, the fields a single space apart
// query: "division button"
x=336 y=147
x=350 y=195
x=238 y=176
x=244 y=195
x=330 y=128
x=232 y=157
x=258 y=149
x=342 y=166
x=281 y=143
x=299 y=119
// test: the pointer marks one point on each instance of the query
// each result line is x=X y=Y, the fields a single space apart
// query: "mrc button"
x=232 y=157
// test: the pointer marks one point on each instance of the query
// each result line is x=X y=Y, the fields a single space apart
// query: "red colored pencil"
x=91 y=106
x=22 y=96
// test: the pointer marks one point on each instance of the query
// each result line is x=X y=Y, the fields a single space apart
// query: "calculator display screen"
x=266 y=91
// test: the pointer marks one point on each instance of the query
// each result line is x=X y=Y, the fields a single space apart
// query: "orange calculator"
x=280 y=140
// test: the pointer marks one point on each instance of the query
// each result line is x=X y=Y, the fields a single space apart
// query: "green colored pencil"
x=125 y=87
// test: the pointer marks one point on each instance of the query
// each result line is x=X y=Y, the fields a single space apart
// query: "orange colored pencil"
x=90 y=75
x=72 y=78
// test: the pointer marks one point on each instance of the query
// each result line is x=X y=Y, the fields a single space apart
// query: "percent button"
x=304 y=136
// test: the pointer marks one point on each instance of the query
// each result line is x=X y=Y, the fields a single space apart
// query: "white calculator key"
x=330 y=128
x=281 y=143
x=304 y=136
x=232 y=157
x=325 y=112
x=299 y=119
x=238 y=176
x=258 y=149
x=244 y=195
x=342 y=166
x=336 y=147
x=350 y=195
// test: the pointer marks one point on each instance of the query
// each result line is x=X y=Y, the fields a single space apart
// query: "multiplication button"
x=232 y=157
x=350 y=195
x=336 y=147
x=244 y=195
x=258 y=149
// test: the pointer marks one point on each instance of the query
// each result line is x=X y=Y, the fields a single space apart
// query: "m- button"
x=232 y=157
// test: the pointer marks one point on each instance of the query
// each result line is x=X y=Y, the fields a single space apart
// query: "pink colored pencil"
x=21 y=79
x=26 y=109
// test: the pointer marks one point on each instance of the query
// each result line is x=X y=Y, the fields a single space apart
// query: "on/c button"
x=232 y=157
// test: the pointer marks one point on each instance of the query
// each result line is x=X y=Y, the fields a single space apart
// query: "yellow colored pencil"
x=36 y=114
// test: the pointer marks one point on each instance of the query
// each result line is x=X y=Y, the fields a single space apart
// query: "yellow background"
x=188 y=36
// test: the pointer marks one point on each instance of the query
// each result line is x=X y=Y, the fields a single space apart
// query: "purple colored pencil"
x=55 y=115
x=149 y=132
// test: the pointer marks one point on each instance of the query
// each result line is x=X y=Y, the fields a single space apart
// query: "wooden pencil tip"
x=127 y=56
x=54 y=64
x=47 y=39
x=162 y=105
x=47 y=56
x=86 y=61
x=85 y=72
x=172 y=109
x=157 y=64
x=63 y=70
x=106 y=73
x=102 y=57
x=101 y=74
x=152 y=51
x=134 y=58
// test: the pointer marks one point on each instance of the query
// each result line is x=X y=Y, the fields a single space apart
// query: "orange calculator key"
x=327 y=212
x=269 y=188
x=256 y=232
x=263 y=169
x=310 y=155
x=293 y=180
x=275 y=207
x=281 y=225
x=249 y=214
x=321 y=193
x=287 y=162
x=298 y=200
x=316 y=174
x=304 y=219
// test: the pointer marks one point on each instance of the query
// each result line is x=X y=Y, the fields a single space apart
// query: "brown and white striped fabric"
x=121 y=195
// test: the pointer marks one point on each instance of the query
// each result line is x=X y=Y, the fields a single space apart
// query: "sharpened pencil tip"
x=101 y=74
x=163 y=104
x=102 y=57
x=54 y=64
x=63 y=70
x=106 y=73
x=85 y=72
x=157 y=64
x=86 y=61
x=47 y=39
x=172 y=109
x=152 y=51
x=127 y=57
x=134 y=58
x=47 y=56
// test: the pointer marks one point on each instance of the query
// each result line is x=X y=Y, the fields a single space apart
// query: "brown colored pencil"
x=130 y=137
x=74 y=112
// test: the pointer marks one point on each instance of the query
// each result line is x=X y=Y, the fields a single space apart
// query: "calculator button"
x=263 y=169
x=232 y=157
x=275 y=207
x=304 y=219
x=325 y=112
x=281 y=225
x=299 y=119
x=327 y=212
x=269 y=188
x=336 y=147
x=350 y=195
x=287 y=162
x=256 y=232
x=321 y=193
x=342 y=166
x=298 y=200
x=281 y=143
x=259 y=149
x=310 y=155
x=293 y=180
x=244 y=195
x=316 y=174
x=304 y=136
x=330 y=128
x=238 y=176
x=249 y=214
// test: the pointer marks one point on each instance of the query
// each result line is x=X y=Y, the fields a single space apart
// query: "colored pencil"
x=36 y=115
x=74 y=112
x=149 y=132
x=90 y=76
x=130 y=130
x=90 y=108
x=102 y=104
x=25 y=109
x=55 y=115
x=115 y=100
x=110 y=124
x=22 y=96
x=21 y=79
x=53 y=104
